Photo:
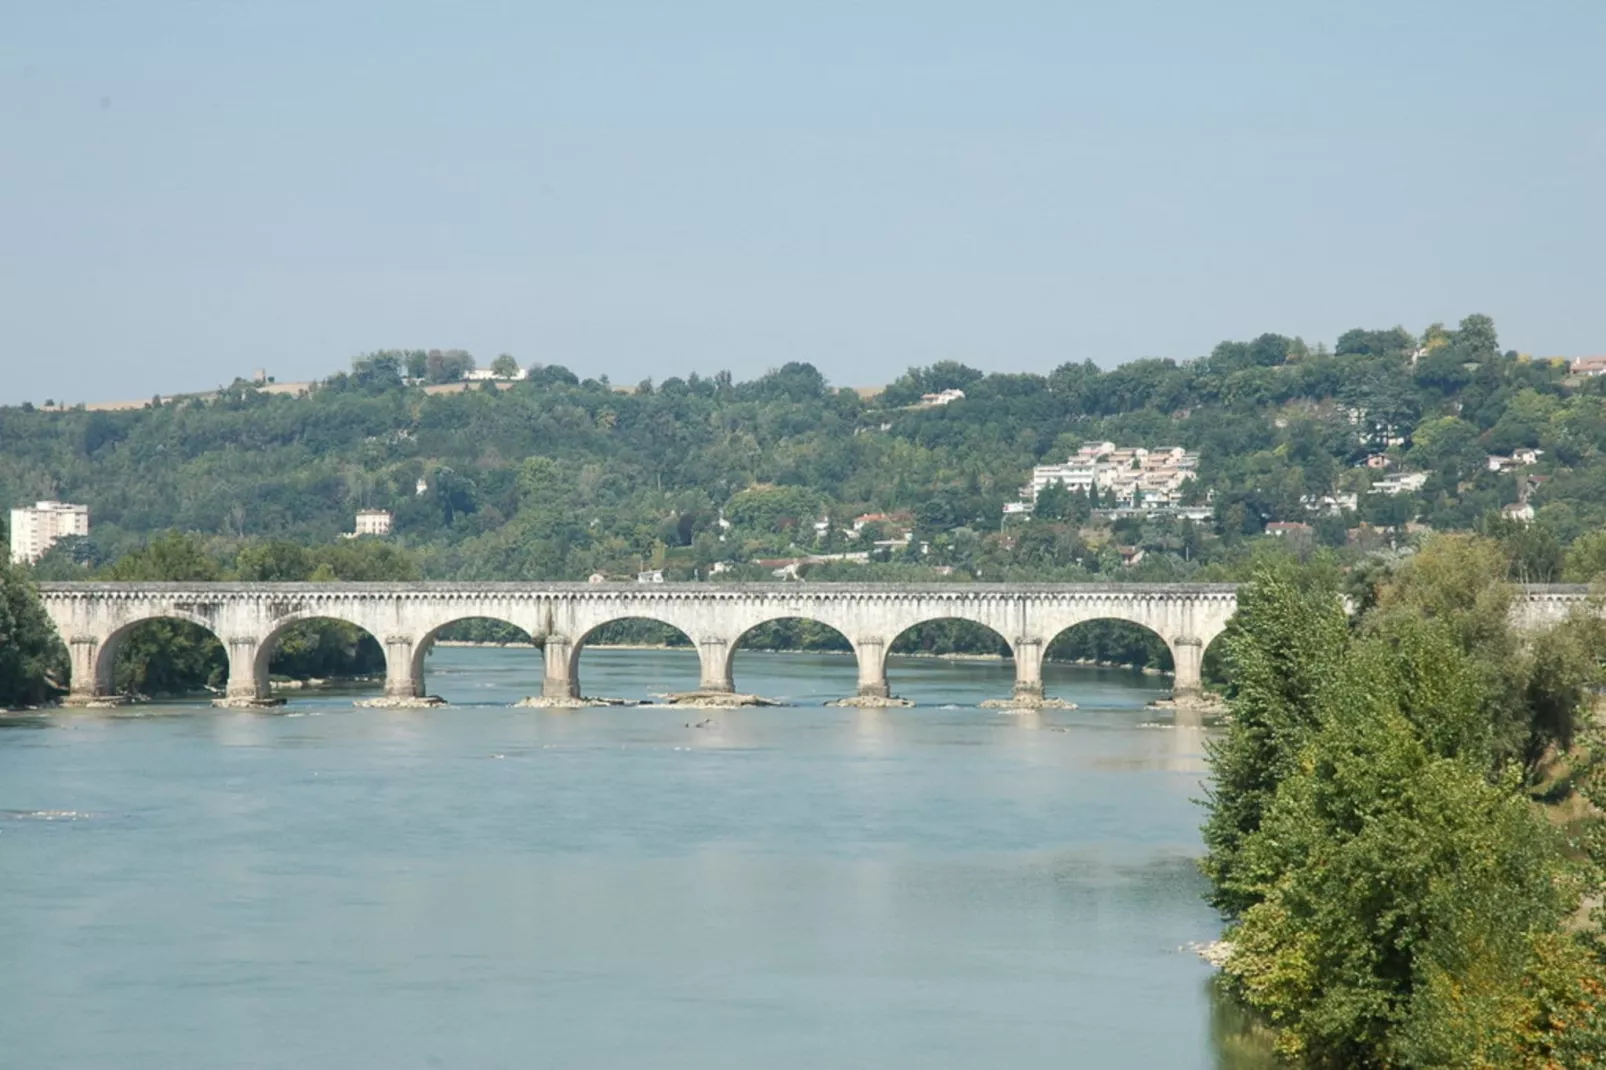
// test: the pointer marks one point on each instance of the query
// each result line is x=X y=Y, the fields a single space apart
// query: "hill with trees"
x=555 y=477
x=558 y=477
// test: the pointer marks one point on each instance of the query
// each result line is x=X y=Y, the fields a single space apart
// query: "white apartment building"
x=35 y=529
x=1136 y=475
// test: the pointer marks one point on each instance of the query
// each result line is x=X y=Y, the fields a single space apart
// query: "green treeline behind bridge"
x=558 y=477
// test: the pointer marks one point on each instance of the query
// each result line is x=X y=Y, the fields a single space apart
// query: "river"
x=479 y=886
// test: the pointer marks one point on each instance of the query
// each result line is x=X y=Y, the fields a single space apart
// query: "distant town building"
x=1378 y=461
x=1518 y=511
x=1518 y=459
x=1136 y=476
x=942 y=397
x=1330 y=504
x=372 y=522
x=421 y=487
x=481 y=375
x=1590 y=366
x=597 y=577
x=1284 y=528
x=655 y=575
x=1399 y=483
x=36 y=528
x=895 y=524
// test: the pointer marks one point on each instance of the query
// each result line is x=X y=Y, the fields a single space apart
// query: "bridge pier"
x=714 y=665
x=1029 y=671
x=248 y=674
x=91 y=683
x=1187 y=657
x=559 y=680
x=871 y=652
x=402 y=681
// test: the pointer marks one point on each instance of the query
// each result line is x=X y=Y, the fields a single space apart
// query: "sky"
x=190 y=191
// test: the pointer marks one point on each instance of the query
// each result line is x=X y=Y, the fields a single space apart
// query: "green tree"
x=1398 y=900
x=278 y=561
x=1586 y=559
x=505 y=367
x=1054 y=502
x=1532 y=693
x=32 y=659
x=1398 y=892
x=1285 y=644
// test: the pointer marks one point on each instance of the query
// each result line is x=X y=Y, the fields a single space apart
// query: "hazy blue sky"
x=189 y=191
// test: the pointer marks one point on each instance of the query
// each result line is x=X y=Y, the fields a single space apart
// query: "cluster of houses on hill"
x=1132 y=479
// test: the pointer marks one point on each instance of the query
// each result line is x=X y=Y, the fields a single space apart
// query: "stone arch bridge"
x=248 y=618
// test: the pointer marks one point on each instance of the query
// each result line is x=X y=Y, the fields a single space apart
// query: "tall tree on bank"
x=1286 y=644
x=32 y=659
x=1397 y=899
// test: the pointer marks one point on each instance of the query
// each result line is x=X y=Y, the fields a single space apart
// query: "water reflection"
x=1240 y=1040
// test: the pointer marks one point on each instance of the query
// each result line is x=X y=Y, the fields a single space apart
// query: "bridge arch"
x=311 y=643
x=784 y=632
x=563 y=657
x=476 y=628
x=1109 y=642
x=936 y=636
x=99 y=668
x=1186 y=621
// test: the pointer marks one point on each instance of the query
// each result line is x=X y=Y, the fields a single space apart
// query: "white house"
x=1518 y=511
x=371 y=522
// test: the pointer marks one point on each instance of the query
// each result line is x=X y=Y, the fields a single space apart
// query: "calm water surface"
x=481 y=886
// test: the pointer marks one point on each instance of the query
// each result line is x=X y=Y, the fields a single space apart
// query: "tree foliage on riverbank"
x=1397 y=897
x=32 y=659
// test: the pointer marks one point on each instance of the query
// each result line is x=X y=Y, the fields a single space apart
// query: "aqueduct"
x=249 y=617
